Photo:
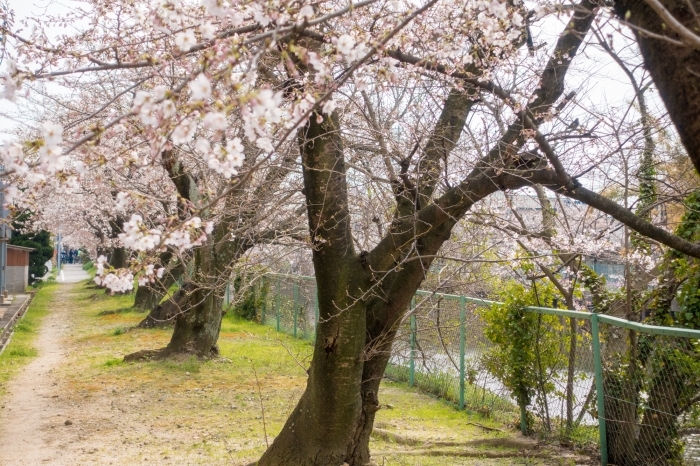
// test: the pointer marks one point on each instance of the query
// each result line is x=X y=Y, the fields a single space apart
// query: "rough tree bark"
x=162 y=314
x=118 y=256
x=674 y=68
x=147 y=297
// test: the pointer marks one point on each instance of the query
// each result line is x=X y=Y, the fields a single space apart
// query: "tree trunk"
x=363 y=297
x=118 y=257
x=198 y=309
x=197 y=326
x=322 y=429
x=673 y=385
x=147 y=298
x=675 y=69
x=620 y=414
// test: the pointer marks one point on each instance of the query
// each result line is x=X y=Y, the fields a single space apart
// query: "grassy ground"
x=21 y=349
x=226 y=411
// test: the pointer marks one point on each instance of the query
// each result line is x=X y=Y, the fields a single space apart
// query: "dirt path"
x=32 y=410
x=40 y=422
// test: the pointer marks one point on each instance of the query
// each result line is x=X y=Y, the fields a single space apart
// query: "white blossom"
x=200 y=87
x=329 y=106
x=183 y=133
x=345 y=44
x=185 y=40
x=122 y=201
x=202 y=145
x=265 y=144
x=307 y=11
x=215 y=120
x=208 y=30
x=52 y=133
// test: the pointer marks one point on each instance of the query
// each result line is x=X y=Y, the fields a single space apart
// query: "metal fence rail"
x=441 y=348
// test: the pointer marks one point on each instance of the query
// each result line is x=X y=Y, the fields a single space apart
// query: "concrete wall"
x=17 y=278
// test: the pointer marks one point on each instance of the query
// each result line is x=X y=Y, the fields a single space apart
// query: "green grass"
x=120 y=331
x=446 y=387
x=208 y=412
x=20 y=350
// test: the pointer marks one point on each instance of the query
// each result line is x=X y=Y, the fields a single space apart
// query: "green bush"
x=525 y=356
x=40 y=241
x=249 y=298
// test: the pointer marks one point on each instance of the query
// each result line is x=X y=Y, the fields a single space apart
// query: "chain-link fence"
x=651 y=386
x=626 y=388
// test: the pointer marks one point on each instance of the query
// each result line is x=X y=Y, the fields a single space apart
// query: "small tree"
x=40 y=241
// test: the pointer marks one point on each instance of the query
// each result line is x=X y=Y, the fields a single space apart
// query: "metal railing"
x=441 y=348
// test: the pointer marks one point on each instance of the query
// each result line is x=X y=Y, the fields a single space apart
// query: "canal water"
x=692 y=449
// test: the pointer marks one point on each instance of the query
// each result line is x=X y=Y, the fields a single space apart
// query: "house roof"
x=21 y=248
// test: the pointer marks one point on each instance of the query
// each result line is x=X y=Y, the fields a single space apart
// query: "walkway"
x=72 y=273
x=30 y=411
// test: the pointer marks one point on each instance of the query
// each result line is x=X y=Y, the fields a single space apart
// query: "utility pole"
x=58 y=253
x=4 y=238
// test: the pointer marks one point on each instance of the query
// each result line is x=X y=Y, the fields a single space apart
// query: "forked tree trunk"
x=198 y=310
x=198 y=323
x=364 y=297
x=164 y=314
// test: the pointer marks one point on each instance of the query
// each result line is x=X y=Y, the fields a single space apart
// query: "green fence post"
x=600 y=395
x=296 y=305
x=462 y=347
x=412 y=360
x=277 y=304
x=263 y=293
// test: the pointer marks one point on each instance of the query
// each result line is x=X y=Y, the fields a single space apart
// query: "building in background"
x=17 y=271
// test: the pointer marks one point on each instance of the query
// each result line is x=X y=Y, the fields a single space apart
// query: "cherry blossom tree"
x=371 y=101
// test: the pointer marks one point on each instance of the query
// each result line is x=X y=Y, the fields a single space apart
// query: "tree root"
x=146 y=355
x=490 y=429
x=519 y=443
x=464 y=453
x=165 y=353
